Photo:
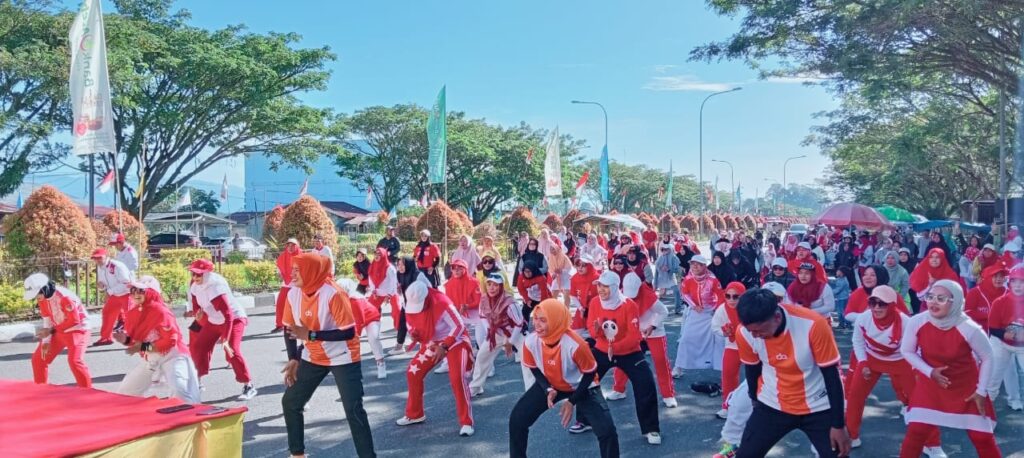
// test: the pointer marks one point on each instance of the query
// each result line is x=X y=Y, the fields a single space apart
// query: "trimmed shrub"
x=707 y=223
x=272 y=224
x=485 y=229
x=173 y=278
x=237 y=257
x=305 y=218
x=406 y=228
x=119 y=220
x=262 y=273
x=552 y=221
x=719 y=222
x=434 y=221
x=183 y=256
x=668 y=224
x=101 y=232
x=569 y=220
x=689 y=222
x=11 y=302
x=235 y=275
x=520 y=220
x=49 y=225
x=647 y=219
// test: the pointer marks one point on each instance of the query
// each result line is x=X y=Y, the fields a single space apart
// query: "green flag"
x=668 y=191
x=437 y=136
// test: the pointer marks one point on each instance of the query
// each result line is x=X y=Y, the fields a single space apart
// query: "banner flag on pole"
x=184 y=200
x=107 y=182
x=668 y=192
x=305 y=188
x=369 y=195
x=582 y=182
x=604 y=174
x=19 y=200
x=92 y=116
x=437 y=137
x=553 y=166
x=224 y=189
x=142 y=184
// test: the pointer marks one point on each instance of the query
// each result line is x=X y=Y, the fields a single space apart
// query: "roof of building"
x=343 y=210
x=245 y=217
x=186 y=217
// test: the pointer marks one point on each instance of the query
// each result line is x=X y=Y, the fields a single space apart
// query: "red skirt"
x=934 y=405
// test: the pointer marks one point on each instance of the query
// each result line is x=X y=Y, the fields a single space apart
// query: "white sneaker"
x=248 y=392
x=466 y=431
x=653 y=438
x=677 y=372
x=491 y=373
x=398 y=350
x=935 y=452
x=476 y=392
x=406 y=421
x=670 y=402
x=442 y=368
x=1016 y=405
x=903 y=411
x=615 y=396
x=382 y=370
x=855 y=443
x=723 y=414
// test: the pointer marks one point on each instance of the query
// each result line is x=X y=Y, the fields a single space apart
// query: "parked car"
x=252 y=248
x=167 y=240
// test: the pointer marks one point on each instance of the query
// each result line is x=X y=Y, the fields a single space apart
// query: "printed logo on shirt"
x=781 y=357
x=309 y=313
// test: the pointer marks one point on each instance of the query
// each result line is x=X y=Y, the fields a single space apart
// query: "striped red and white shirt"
x=879 y=344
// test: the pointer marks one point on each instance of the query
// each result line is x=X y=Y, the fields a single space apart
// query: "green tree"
x=639 y=187
x=202 y=201
x=33 y=88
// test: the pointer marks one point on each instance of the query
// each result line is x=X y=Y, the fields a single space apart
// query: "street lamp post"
x=732 y=182
x=784 y=164
x=700 y=159
x=605 y=150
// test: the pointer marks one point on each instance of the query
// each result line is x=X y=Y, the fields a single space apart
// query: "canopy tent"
x=896 y=214
x=607 y=220
x=853 y=214
x=941 y=223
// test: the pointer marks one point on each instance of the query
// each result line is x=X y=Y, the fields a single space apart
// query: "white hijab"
x=956 y=313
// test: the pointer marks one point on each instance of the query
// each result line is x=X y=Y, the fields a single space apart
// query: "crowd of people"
x=944 y=320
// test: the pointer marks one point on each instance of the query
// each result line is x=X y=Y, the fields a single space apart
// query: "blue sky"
x=524 y=61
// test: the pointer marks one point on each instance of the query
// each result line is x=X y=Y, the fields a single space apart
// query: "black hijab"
x=723 y=272
x=407 y=278
x=881 y=274
x=533 y=256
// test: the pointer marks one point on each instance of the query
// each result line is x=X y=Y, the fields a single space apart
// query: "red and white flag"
x=107 y=182
x=529 y=155
x=224 y=189
x=582 y=182
x=369 y=196
x=305 y=188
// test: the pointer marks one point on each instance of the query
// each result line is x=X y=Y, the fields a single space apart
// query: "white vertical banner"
x=553 y=167
x=93 y=117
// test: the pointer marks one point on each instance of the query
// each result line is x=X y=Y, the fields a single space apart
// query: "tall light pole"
x=603 y=151
x=732 y=181
x=700 y=159
x=775 y=203
x=784 y=164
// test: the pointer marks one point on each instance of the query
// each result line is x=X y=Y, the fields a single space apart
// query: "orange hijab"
x=315 y=271
x=558 y=318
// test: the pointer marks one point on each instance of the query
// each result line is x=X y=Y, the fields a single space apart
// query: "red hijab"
x=919 y=279
x=315 y=271
x=892 y=318
x=379 y=267
x=990 y=291
x=284 y=263
x=731 y=312
x=804 y=294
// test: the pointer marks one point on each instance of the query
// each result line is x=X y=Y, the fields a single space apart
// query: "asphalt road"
x=690 y=430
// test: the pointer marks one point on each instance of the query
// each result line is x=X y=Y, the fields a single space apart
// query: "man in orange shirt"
x=792 y=367
x=567 y=372
x=319 y=314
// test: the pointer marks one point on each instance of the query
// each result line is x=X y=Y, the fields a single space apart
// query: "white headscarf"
x=956 y=313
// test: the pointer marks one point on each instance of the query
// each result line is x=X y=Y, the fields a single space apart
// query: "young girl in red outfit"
x=725 y=323
x=533 y=288
x=980 y=299
x=581 y=291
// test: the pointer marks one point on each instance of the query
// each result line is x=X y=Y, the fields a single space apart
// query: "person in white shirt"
x=594 y=251
x=383 y=287
x=323 y=250
x=113 y=278
x=124 y=252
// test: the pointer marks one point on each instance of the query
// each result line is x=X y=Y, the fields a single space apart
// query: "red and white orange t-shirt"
x=791 y=380
x=327 y=310
x=563 y=364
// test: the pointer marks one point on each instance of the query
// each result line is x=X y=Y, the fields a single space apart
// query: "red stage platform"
x=56 y=421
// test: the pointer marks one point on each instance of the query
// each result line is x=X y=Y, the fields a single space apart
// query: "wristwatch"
x=312 y=336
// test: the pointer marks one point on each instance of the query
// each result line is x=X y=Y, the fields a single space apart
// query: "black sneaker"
x=248 y=392
x=579 y=428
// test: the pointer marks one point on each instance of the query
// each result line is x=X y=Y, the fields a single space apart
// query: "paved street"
x=691 y=430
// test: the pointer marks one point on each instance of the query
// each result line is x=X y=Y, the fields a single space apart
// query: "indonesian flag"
x=529 y=155
x=583 y=181
x=305 y=188
x=224 y=189
x=369 y=196
x=107 y=182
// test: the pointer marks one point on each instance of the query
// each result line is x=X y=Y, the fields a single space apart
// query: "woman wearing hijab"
x=620 y=265
x=952 y=361
x=666 y=269
x=808 y=292
x=502 y=322
x=467 y=252
x=980 y=299
x=428 y=257
x=899 y=279
x=725 y=323
x=876 y=342
x=320 y=316
x=743 y=270
x=652 y=331
x=721 y=269
x=985 y=259
x=532 y=255
x=565 y=369
x=846 y=256
x=221 y=319
x=367 y=317
x=436 y=325
x=698 y=348
x=636 y=262
x=939 y=241
x=284 y=270
x=1006 y=325
x=487 y=246
x=489 y=266
x=464 y=292
x=971 y=250
x=407 y=273
x=361 y=269
x=593 y=250
x=789 y=248
x=151 y=331
x=384 y=284
x=559 y=272
x=933 y=267
x=582 y=291
x=533 y=288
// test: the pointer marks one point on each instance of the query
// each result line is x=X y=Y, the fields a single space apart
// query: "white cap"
x=147 y=282
x=780 y=262
x=989 y=246
x=804 y=245
x=425 y=232
x=885 y=293
x=33 y=284
x=348 y=285
x=776 y=288
x=292 y=240
x=415 y=297
x=700 y=259
x=608 y=278
x=631 y=285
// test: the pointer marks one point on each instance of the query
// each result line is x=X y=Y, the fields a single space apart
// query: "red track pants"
x=902 y=377
x=920 y=433
x=281 y=304
x=460 y=369
x=730 y=374
x=662 y=369
x=202 y=343
x=378 y=301
x=75 y=342
x=113 y=310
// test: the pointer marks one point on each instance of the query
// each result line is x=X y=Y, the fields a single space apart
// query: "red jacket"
x=650 y=238
x=430 y=257
x=463 y=290
x=363 y=312
x=978 y=306
x=157 y=325
x=70 y=314
x=525 y=284
x=626 y=318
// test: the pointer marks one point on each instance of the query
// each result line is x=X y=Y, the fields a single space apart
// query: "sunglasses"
x=137 y=291
x=195 y=275
x=937 y=299
x=617 y=264
x=778 y=268
x=488 y=262
x=732 y=296
x=876 y=303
